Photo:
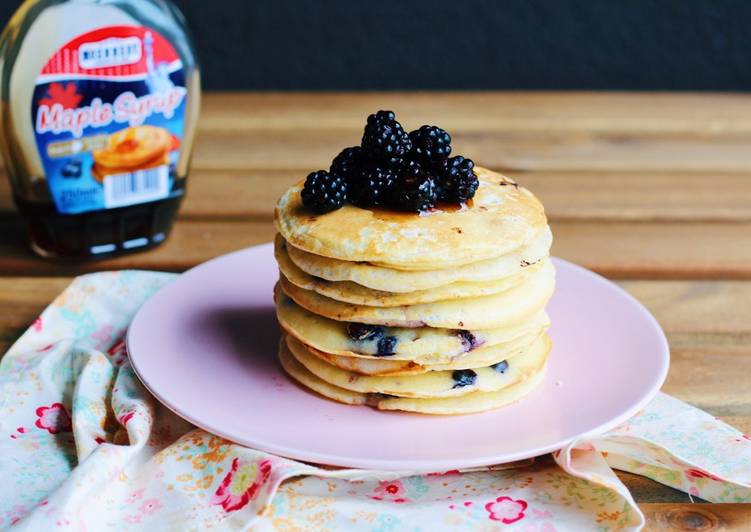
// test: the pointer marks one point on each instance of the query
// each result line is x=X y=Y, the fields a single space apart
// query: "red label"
x=111 y=52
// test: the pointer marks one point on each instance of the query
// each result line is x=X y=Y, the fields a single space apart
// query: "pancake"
x=479 y=358
x=467 y=404
x=501 y=218
x=391 y=280
x=298 y=372
x=100 y=172
x=474 y=402
x=433 y=384
x=132 y=147
x=349 y=292
x=486 y=312
x=423 y=345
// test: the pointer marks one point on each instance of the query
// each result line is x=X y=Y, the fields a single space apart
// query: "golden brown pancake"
x=501 y=218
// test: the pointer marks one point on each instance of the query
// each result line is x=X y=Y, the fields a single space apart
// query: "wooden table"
x=652 y=190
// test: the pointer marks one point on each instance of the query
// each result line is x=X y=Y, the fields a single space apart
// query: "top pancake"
x=499 y=219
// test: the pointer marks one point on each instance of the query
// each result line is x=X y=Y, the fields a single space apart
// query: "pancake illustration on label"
x=411 y=279
x=132 y=149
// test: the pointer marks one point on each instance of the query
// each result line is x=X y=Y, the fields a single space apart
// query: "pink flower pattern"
x=390 y=490
x=693 y=474
x=506 y=510
x=241 y=484
x=149 y=506
x=54 y=418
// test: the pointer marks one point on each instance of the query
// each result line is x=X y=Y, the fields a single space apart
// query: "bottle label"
x=108 y=112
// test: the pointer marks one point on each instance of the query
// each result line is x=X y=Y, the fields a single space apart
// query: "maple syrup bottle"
x=99 y=101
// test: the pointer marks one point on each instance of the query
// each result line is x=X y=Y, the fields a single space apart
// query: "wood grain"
x=520 y=151
x=696 y=517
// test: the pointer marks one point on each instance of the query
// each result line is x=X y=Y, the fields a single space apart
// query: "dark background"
x=471 y=44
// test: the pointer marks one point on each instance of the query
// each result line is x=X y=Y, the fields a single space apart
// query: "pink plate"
x=206 y=344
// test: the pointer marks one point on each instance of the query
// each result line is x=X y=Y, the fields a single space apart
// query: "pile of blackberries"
x=394 y=169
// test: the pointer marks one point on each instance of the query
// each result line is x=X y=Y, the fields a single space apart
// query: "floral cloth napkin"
x=83 y=446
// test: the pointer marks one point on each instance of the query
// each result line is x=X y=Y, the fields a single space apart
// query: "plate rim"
x=417 y=465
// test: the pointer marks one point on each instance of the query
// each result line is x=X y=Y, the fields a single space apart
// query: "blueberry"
x=468 y=340
x=464 y=377
x=386 y=346
x=501 y=367
x=71 y=169
x=361 y=331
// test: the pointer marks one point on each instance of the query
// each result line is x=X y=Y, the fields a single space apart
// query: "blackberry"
x=324 y=192
x=430 y=145
x=362 y=331
x=458 y=181
x=373 y=187
x=415 y=191
x=463 y=377
x=384 y=140
x=386 y=346
x=347 y=164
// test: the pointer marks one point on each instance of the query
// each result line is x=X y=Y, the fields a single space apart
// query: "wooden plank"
x=645 y=113
x=617 y=249
x=645 y=490
x=657 y=250
x=712 y=378
x=641 y=196
x=704 y=517
x=698 y=314
x=607 y=196
x=522 y=131
x=21 y=301
x=520 y=151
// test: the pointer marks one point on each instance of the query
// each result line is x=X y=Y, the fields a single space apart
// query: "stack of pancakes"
x=440 y=313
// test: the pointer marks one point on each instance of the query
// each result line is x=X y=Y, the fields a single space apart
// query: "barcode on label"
x=136 y=187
